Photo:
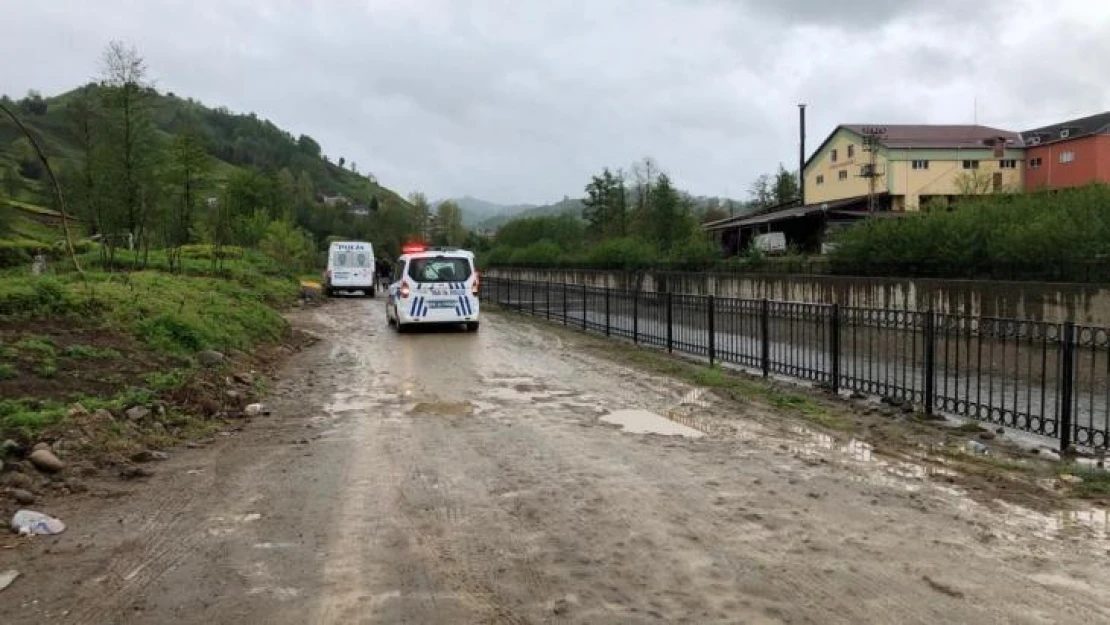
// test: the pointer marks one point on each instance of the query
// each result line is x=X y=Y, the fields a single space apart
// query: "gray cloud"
x=521 y=100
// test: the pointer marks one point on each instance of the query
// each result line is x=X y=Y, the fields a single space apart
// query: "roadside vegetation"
x=629 y=221
x=1060 y=235
x=189 y=227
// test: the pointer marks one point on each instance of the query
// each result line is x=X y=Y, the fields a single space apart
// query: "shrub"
x=20 y=252
x=8 y=372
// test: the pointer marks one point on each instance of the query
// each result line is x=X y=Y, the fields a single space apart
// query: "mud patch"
x=443 y=408
x=645 y=422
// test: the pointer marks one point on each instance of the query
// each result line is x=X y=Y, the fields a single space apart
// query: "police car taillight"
x=405 y=289
x=477 y=281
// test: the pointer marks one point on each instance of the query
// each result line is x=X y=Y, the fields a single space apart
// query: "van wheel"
x=472 y=326
x=329 y=292
x=369 y=293
x=402 y=328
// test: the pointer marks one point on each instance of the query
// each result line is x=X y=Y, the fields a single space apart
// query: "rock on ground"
x=45 y=460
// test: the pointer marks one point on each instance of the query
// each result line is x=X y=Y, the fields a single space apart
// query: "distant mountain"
x=566 y=206
x=475 y=211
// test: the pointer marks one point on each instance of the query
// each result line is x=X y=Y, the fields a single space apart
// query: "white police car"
x=433 y=286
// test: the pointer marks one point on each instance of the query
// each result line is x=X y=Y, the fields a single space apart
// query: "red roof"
x=939 y=136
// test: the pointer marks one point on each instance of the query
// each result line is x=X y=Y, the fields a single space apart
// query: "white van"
x=350 y=268
x=433 y=286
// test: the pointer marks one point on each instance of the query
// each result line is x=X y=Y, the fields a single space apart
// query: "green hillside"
x=282 y=173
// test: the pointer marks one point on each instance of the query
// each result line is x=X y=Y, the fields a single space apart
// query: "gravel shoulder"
x=448 y=477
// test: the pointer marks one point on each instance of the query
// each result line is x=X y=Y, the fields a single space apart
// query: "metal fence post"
x=670 y=322
x=585 y=298
x=547 y=298
x=765 y=330
x=566 y=314
x=711 y=331
x=930 y=349
x=1067 y=381
x=636 y=316
x=606 y=287
x=532 y=288
x=834 y=348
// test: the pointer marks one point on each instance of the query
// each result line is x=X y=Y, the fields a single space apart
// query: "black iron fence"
x=1050 y=379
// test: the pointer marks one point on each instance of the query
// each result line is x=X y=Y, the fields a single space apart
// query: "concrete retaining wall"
x=1038 y=301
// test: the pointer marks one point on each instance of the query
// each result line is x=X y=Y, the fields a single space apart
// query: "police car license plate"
x=442 y=304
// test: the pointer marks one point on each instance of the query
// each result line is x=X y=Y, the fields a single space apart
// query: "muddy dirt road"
x=471 y=478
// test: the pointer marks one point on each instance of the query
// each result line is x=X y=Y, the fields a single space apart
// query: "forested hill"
x=269 y=167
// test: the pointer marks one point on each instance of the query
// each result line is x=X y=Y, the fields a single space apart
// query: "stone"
x=907 y=408
x=233 y=395
x=9 y=448
x=77 y=410
x=102 y=416
x=253 y=410
x=148 y=455
x=45 y=461
x=23 y=497
x=18 y=480
x=132 y=472
x=1071 y=479
x=987 y=436
x=244 y=378
x=137 y=413
x=41 y=446
x=210 y=358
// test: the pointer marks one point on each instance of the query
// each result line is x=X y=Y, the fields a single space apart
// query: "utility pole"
x=802 y=154
x=872 y=139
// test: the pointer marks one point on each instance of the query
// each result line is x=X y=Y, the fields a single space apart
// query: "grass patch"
x=46 y=369
x=1095 y=484
x=8 y=372
x=29 y=417
x=37 y=346
x=161 y=381
x=89 y=352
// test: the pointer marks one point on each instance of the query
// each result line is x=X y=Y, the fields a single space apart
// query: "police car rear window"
x=443 y=269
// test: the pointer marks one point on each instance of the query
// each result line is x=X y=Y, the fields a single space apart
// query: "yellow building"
x=911 y=165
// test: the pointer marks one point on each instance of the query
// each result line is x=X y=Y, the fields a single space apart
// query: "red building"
x=1070 y=154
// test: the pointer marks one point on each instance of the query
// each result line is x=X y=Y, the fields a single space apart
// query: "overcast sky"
x=521 y=100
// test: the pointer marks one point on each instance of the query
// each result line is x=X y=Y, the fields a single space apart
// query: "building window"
x=851 y=151
x=1067 y=157
x=820 y=180
x=920 y=164
x=971 y=164
x=1035 y=163
x=843 y=174
x=832 y=155
x=1007 y=163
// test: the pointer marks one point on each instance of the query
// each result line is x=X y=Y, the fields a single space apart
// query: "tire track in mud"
x=162 y=539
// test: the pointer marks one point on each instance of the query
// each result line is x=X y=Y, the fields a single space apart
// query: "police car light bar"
x=412 y=248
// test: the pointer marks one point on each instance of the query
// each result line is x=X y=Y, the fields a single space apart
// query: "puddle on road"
x=817 y=443
x=1089 y=527
x=644 y=422
x=443 y=408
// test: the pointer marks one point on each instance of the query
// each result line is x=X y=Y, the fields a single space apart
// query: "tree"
x=291 y=247
x=670 y=221
x=309 y=146
x=973 y=182
x=605 y=206
x=449 y=226
x=421 y=213
x=130 y=147
x=785 y=186
x=188 y=172
x=33 y=104
x=342 y=161
x=762 y=193
x=84 y=119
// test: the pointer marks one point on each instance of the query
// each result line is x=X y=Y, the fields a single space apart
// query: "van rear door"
x=442 y=285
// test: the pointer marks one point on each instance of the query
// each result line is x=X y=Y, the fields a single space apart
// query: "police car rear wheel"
x=472 y=326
